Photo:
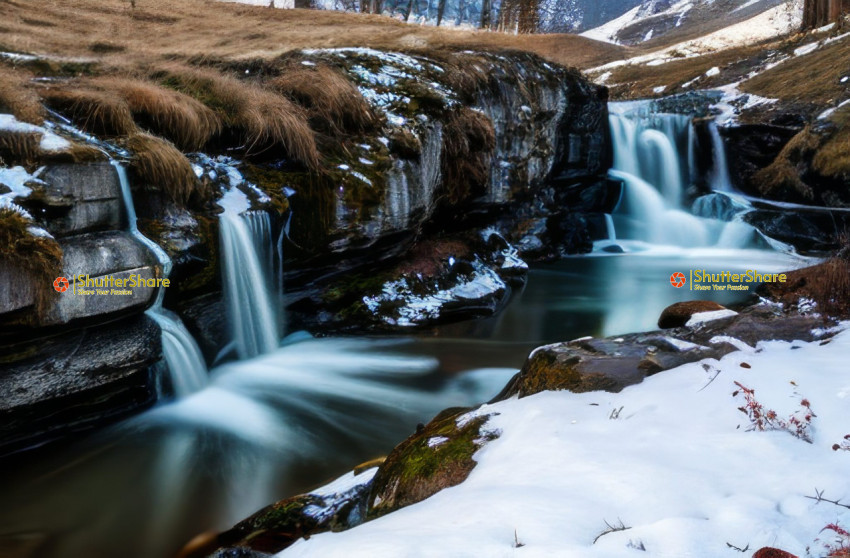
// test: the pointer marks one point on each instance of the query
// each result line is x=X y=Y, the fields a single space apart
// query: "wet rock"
x=277 y=526
x=751 y=147
x=78 y=380
x=678 y=314
x=437 y=456
x=717 y=206
x=805 y=230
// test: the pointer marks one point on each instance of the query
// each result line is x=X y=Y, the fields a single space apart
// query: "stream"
x=285 y=420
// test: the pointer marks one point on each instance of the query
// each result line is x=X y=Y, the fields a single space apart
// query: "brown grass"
x=17 y=98
x=828 y=284
x=468 y=143
x=178 y=117
x=833 y=159
x=97 y=112
x=19 y=148
x=157 y=29
x=40 y=257
x=781 y=179
x=262 y=119
x=160 y=167
x=334 y=105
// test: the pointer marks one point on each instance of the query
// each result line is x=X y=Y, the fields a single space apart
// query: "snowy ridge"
x=681 y=468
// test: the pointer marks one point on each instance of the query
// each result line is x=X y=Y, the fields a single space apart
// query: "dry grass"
x=814 y=78
x=334 y=105
x=38 y=256
x=157 y=29
x=160 y=167
x=468 y=143
x=178 y=117
x=261 y=119
x=833 y=159
x=18 y=98
x=97 y=112
x=21 y=148
x=781 y=179
x=828 y=284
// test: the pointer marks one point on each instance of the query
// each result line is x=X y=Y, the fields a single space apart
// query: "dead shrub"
x=39 y=257
x=261 y=119
x=97 y=112
x=160 y=167
x=334 y=105
x=468 y=143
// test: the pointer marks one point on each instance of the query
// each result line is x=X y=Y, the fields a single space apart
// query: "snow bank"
x=678 y=467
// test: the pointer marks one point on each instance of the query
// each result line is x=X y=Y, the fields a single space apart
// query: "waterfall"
x=247 y=265
x=654 y=158
x=720 y=179
x=186 y=364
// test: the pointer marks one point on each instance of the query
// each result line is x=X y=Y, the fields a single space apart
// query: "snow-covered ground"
x=774 y=22
x=678 y=465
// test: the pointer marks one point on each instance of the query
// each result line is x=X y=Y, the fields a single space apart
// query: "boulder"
x=437 y=456
x=678 y=314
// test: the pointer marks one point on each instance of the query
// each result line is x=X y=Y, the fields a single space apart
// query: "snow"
x=703 y=317
x=774 y=22
x=680 y=468
x=346 y=482
x=49 y=141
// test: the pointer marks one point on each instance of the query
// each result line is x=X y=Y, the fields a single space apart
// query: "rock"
x=678 y=314
x=805 y=230
x=75 y=381
x=80 y=198
x=768 y=552
x=717 y=206
x=437 y=456
x=750 y=147
x=277 y=526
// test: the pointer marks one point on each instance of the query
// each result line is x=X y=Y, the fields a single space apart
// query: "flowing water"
x=294 y=414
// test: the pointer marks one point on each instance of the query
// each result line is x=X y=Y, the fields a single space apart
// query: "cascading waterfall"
x=247 y=266
x=720 y=179
x=186 y=364
x=654 y=156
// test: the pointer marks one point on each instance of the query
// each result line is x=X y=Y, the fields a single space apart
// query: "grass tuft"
x=261 y=119
x=19 y=148
x=334 y=105
x=17 y=98
x=160 y=167
x=97 y=112
x=833 y=159
x=781 y=178
x=38 y=256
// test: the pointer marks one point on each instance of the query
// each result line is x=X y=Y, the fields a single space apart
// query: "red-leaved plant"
x=839 y=547
x=798 y=424
x=844 y=445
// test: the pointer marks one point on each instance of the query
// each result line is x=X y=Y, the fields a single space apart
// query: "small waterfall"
x=655 y=158
x=720 y=179
x=247 y=265
x=185 y=361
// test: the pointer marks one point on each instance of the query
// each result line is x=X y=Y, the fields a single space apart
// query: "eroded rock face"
x=75 y=381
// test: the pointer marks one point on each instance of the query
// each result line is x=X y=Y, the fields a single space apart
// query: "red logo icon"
x=678 y=279
x=61 y=284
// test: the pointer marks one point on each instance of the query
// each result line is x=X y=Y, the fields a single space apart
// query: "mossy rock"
x=557 y=370
x=438 y=456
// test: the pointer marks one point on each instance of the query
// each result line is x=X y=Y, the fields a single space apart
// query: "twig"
x=517 y=544
x=707 y=367
x=615 y=413
x=818 y=497
x=733 y=547
x=611 y=529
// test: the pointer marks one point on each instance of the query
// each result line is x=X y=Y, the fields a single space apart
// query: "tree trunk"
x=486 y=7
x=441 y=9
